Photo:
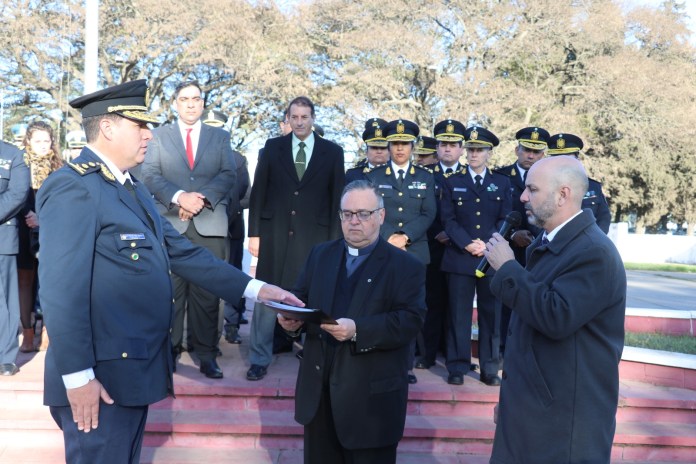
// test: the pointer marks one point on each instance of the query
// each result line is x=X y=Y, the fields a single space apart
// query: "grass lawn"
x=665 y=267
x=677 y=344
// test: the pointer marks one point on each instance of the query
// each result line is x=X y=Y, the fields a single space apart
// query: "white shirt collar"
x=454 y=167
x=473 y=174
x=396 y=167
x=120 y=176
x=558 y=228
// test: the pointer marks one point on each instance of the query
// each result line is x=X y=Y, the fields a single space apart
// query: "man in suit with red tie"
x=294 y=205
x=190 y=170
x=475 y=202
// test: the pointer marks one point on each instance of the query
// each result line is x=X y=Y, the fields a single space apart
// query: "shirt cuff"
x=78 y=379
x=175 y=198
x=253 y=288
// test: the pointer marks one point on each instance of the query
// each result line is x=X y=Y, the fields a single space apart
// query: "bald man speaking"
x=560 y=385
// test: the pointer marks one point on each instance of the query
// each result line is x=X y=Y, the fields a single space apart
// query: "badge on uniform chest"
x=418 y=185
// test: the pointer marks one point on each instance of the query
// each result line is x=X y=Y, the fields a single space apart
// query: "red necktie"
x=189 y=148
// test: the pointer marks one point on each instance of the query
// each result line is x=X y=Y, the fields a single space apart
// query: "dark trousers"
x=321 y=444
x=436 y=299
x=461 y=292
x=117 y=440
x=234 y=309
x=203 y=307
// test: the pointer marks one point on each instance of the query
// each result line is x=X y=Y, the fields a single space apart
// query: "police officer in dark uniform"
x=426 y=151
x=107 y=258
x=532 y=143
x=376 y=153
x=449 y=136
x=569 y=144
x=475 y=202
x=409 y=196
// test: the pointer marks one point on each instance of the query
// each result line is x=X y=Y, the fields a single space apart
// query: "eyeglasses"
x=362 y=215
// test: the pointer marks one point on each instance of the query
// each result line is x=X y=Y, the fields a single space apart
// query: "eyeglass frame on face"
x=351 y=214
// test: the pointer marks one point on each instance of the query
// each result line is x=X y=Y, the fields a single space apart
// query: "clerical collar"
x=361 y=251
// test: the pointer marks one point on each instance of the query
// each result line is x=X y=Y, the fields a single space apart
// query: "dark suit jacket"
x=14 y=188
x=368 y=380
x=238 y=194
x=516 y=188
x=290 y=215
x=106 y=287
x=410 y=209
x=468 y=214
x=166 y=171
x=561 y=380
x=595 y=201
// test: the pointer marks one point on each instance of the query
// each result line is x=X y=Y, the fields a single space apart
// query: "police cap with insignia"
x=214 y=118
x=449 y=130
x=565 y=144
x=373 y=135
x=534 y=138
x=129 y=100
x=375 y=122
x=480 y=137
x=401 y=130
x=426 y=146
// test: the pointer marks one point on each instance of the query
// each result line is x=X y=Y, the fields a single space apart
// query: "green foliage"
x=676 y=344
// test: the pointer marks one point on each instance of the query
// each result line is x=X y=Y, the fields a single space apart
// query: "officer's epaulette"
x=90 y=167
x=366 y=169
x=425 y=168
x=462 y=168
x=503 y=173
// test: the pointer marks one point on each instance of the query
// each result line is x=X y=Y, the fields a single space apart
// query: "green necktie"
x=301 y=161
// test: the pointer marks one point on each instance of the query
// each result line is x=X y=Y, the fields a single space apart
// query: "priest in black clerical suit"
x=352 y=385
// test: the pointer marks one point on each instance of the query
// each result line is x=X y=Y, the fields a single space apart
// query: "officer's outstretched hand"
x=272 y=293
x=84 y=402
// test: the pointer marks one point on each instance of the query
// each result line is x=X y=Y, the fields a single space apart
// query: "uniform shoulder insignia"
x=89 y=167
x=366 y=169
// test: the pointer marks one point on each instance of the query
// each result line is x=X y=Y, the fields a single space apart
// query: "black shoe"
x=243 y=320
x=211 y=369
x=455 y=379
x=256 y=372
x=474 y=367
x=232 y=336
x=490 y=380
x=299 y=354
x=424 y=364
x=412 y=379
x=8 y=369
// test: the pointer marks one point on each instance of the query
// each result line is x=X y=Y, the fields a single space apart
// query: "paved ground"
x=661 y=290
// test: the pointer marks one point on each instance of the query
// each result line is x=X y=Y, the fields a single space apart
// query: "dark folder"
x=315 y=316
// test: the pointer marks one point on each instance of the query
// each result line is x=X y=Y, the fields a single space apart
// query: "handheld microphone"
x=512 y=220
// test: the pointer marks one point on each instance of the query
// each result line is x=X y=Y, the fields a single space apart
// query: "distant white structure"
x=646 y=248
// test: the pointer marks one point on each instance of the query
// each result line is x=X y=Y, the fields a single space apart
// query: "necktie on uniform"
x=448 y=171
x=524 y=176
x=544 y=240
x=189 y=148
x=400 y=178
x=478 y=180
x=131 y=189
x=301 y=161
